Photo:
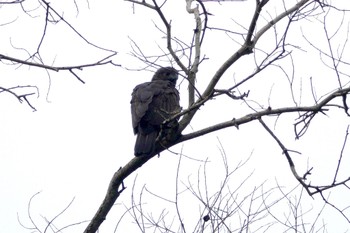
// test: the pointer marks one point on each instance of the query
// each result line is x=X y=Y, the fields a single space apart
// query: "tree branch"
x=114 y=191
x=245 y=49
x=58 y=68
x=267 y=112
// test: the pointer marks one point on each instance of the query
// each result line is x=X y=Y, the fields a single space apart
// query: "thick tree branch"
x=114 y=191
x=268 y=112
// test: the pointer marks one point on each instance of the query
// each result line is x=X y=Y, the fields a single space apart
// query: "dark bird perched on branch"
x=151 y=104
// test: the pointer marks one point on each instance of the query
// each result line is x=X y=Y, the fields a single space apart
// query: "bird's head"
x=166 y=73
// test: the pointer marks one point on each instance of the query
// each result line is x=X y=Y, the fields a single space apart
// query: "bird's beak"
x=174 y=77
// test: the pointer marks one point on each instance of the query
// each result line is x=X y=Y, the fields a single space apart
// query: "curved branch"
x=267 y=112
x=103 y=61
x=12 y=2
x=169 y=37
x=273 y=22
x=285 y=151
x=113 y=192
x=74 y=29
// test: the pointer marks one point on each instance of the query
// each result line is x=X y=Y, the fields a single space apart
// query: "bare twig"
x=341 y=155
x=21 y=97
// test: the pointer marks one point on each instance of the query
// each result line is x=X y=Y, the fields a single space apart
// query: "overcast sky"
x=81 y=133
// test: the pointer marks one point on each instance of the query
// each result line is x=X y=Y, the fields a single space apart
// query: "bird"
x=152 y=103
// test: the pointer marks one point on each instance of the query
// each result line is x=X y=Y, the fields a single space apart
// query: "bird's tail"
x=145 y=143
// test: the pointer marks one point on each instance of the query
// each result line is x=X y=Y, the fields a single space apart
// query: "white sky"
x=81 y=133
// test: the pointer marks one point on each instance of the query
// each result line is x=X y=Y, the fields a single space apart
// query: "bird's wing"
x=152 y=103
x=141 y=97
x=164 y=104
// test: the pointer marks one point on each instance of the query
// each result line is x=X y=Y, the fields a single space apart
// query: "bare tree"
x=190 y=56
x=271 y=42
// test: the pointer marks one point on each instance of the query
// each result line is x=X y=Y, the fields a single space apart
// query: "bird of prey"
x=151 y=104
